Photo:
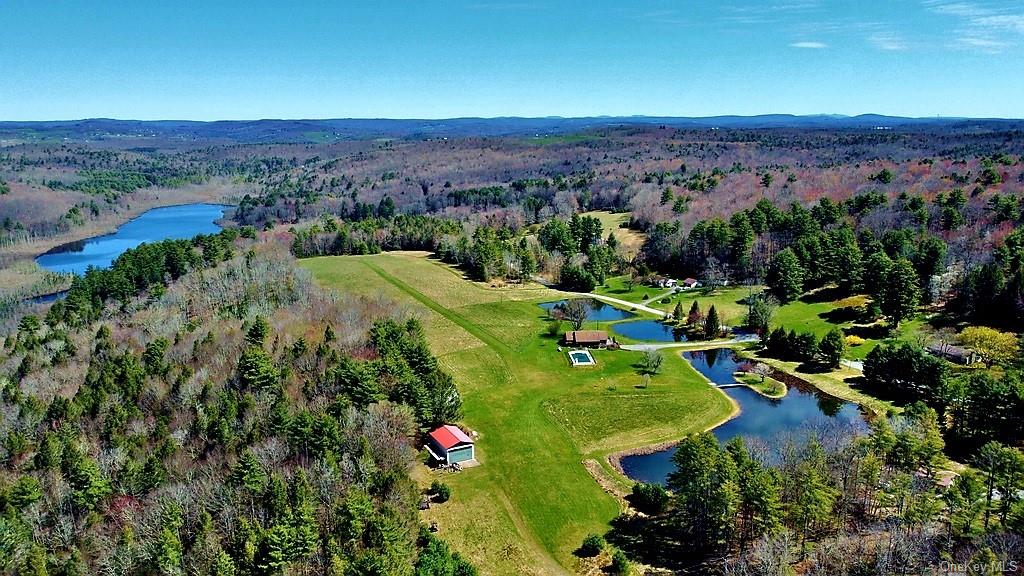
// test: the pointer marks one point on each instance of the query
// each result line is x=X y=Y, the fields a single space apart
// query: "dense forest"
x=873 y=505
x=201 y=407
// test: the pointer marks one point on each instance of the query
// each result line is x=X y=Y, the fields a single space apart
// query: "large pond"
x=171 y=222
x=598 y=311
x=763 y=422
x=650 y=330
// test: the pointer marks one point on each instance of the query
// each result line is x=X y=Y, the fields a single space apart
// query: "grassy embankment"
x=542 y=423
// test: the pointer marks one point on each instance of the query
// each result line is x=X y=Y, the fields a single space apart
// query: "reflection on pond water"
x=762 y=421
x=650 y=330
x=598 y=311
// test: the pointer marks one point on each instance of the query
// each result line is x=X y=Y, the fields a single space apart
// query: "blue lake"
x=650 y=330
x=599 y=311
x=763 y=422
x=171 y=222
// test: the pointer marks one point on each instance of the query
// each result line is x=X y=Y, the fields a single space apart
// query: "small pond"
x=599 y=311
x=650 y=330
x=762 y=421
x=175 y=222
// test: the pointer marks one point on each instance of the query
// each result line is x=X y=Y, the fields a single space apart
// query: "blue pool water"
x=176 y=222
x=650 y=330
x=599 y=311
x=581 y=357
x=762 y=421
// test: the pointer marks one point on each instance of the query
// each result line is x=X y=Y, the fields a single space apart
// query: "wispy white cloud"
x=889 y=41
x=809 y=45
x=991 y=27
x=761 y=14
x=982 y=44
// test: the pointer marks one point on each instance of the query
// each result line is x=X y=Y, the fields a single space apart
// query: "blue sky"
x=422 y=59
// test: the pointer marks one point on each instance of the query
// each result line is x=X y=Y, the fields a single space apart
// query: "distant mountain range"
x=297 y=131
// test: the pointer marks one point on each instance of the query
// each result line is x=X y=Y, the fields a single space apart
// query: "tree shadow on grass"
x=856 y=382
x=813 y=368
x=870 y=332
x=843 y=315
x=651 y=540
x=829 y=294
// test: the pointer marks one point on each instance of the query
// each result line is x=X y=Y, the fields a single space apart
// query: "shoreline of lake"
x=615 y=458
x=139 y=202
x=152 y=225
x=804 y=388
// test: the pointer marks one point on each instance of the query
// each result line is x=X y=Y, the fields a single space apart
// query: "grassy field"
x=728 y=301
x=820 y=316
x=813 y=313
x=631 y=240
x=532 y=500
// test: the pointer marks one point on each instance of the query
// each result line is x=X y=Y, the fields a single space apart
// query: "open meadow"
x=532 y=500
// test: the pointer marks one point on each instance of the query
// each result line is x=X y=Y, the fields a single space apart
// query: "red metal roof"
x=448 y=436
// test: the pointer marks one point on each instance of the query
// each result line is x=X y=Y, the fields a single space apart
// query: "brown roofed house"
x=588 y=338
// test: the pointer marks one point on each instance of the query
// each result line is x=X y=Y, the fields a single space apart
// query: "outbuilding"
x=450 y=445
x=691 y=283
x=957 y=354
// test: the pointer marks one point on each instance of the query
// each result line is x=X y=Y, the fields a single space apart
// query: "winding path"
x=624 y=303
x=697 y=345
x=659 y=297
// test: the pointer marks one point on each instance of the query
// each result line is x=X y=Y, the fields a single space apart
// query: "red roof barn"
x=449 y=444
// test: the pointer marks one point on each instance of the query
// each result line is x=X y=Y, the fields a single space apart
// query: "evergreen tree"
x=965 y=501
x=168 y=554
x=153 y=357
x=223 y=565
x=876 y=270
x=760 y=310
x=785 y=276
x=386 y=208
x=712 y=324
x=813 y=501
x=527 y=261
x=705 y=492
x=272 y=553
x=256 y=371
x=832 y=347
x=248 y=473
x=900 y=293
x=556 y=236
x=257 y=333
x=759 y=492
x=88 y=486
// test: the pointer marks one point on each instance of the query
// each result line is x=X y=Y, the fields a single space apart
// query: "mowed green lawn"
x=531 y=502
x=808 y=314
x=728 y=301
x=819 y=317
x=630 y=239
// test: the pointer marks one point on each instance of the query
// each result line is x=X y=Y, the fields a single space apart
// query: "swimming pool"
x=581 y=358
